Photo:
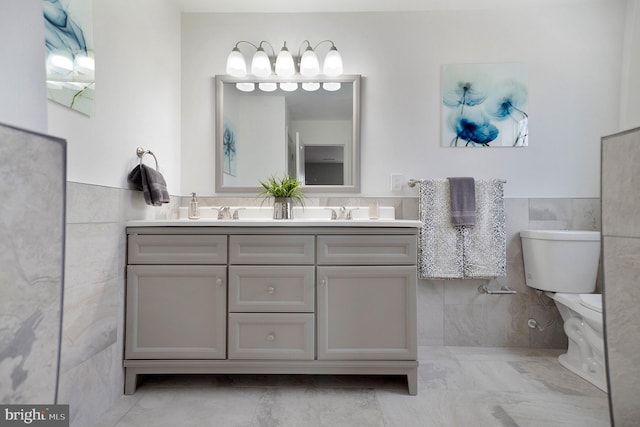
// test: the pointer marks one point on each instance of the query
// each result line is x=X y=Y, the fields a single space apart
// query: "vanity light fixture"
x=285 y=66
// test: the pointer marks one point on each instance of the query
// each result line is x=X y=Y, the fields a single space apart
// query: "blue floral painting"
x=485 y=105
x=230 y=165
x=70 y=62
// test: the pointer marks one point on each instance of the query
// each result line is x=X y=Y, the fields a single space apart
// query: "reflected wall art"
x=485 y=105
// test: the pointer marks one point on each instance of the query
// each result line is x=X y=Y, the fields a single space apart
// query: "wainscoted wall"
x=449 y=312
x=621 y=252
x=91 y=375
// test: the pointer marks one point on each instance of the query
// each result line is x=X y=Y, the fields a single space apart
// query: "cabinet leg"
x=130 y=381
x=412 y=382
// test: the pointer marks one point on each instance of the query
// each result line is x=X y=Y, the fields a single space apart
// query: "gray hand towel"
x=154 y=186
x=463 y=201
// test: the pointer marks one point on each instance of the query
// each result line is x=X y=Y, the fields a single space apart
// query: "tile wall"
x=32 y=187
x=449 y=312
x=621 y=255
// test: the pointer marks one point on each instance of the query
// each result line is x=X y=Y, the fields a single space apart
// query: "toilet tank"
x=561 y=261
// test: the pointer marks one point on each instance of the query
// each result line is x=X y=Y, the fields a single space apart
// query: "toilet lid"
x=592 y=301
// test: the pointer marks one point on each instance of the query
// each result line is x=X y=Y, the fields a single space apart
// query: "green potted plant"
x=285 y=192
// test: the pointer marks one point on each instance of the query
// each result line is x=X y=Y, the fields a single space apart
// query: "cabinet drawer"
x=271 y=289
x=271 y=249
x=367 y=250
x=271 y=336
x=177 y=249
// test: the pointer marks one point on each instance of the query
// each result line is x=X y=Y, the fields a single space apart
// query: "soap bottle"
x=194 y=210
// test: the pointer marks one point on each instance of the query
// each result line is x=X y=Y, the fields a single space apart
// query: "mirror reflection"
x=311 y=135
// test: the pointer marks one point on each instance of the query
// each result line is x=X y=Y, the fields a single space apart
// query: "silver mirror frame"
x=220 y=80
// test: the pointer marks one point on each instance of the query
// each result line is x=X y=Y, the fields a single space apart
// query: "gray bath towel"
x=463 y=201
x=154 y=187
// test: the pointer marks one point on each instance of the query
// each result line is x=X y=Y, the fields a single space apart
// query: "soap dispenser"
x=194 y=210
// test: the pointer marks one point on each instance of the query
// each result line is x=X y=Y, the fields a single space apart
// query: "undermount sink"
x=300 y=214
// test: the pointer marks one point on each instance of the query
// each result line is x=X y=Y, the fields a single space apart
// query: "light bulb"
x=235 y=64
x=284 y=63
x=310 y=86
x=260 y=65
x=332 y=63
x=267 y=87
x=309 y=65
x=245 y=87
x=331 y=86
x=289 y=86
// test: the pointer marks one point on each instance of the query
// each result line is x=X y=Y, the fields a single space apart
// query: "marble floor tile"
x=457 y=386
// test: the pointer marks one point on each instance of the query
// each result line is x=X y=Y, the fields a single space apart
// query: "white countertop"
x=261 y=217
x=266 y=222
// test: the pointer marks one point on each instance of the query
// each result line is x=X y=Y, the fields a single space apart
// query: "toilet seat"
x=592 y=301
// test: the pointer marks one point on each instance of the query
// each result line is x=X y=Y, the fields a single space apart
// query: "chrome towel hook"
x=141 y=152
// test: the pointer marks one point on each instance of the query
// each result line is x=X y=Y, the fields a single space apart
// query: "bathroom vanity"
x=271 y=297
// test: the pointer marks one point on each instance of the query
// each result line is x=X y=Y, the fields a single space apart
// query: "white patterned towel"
x=449 y=252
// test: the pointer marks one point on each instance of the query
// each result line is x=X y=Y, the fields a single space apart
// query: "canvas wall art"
x=69 y=50
x=485 y=105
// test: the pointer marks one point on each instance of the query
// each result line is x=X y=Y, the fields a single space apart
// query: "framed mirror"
x=313 y=135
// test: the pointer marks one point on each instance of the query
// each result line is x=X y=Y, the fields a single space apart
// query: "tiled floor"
x=457 y=386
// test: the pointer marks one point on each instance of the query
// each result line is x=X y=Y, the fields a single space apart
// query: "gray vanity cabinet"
x=366 y=297
x=176 y=312
x=286 y=299
x=176 y=297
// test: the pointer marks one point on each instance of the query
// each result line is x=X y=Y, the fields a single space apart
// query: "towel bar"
x=503 y=290
x=412 y=182
x=141 y=152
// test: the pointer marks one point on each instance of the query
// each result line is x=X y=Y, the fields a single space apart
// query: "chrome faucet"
x=342 y=214
x=224 y=212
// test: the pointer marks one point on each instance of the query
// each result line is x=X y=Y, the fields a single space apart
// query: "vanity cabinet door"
x=176 y=312
x=366 y=312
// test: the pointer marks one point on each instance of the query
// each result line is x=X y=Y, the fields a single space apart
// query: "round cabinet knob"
x=271 y=290
x=218 y=281
x=323 y=283
x=271 y=337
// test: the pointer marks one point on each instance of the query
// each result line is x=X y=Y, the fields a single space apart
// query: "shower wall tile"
x=622 y=280
x=32 y=182
x=620 y=183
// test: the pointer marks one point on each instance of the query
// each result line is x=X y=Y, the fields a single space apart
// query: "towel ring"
x=141 y=152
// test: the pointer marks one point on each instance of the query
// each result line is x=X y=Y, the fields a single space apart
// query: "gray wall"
x=621 y=252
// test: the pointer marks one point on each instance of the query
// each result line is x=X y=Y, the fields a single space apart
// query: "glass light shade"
x=235 y=64
x=245 y=87
x=284 y=63
x=59 y=63
x=332 y=63
x=310 y=86
x=289 y=86
x=309 y=65
x=331 y=86
x=267 y=87
x=260 y=65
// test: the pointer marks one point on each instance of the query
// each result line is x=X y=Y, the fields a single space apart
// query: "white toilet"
x=564 y=264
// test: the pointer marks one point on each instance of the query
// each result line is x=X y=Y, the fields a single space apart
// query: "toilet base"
x=596 y=380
